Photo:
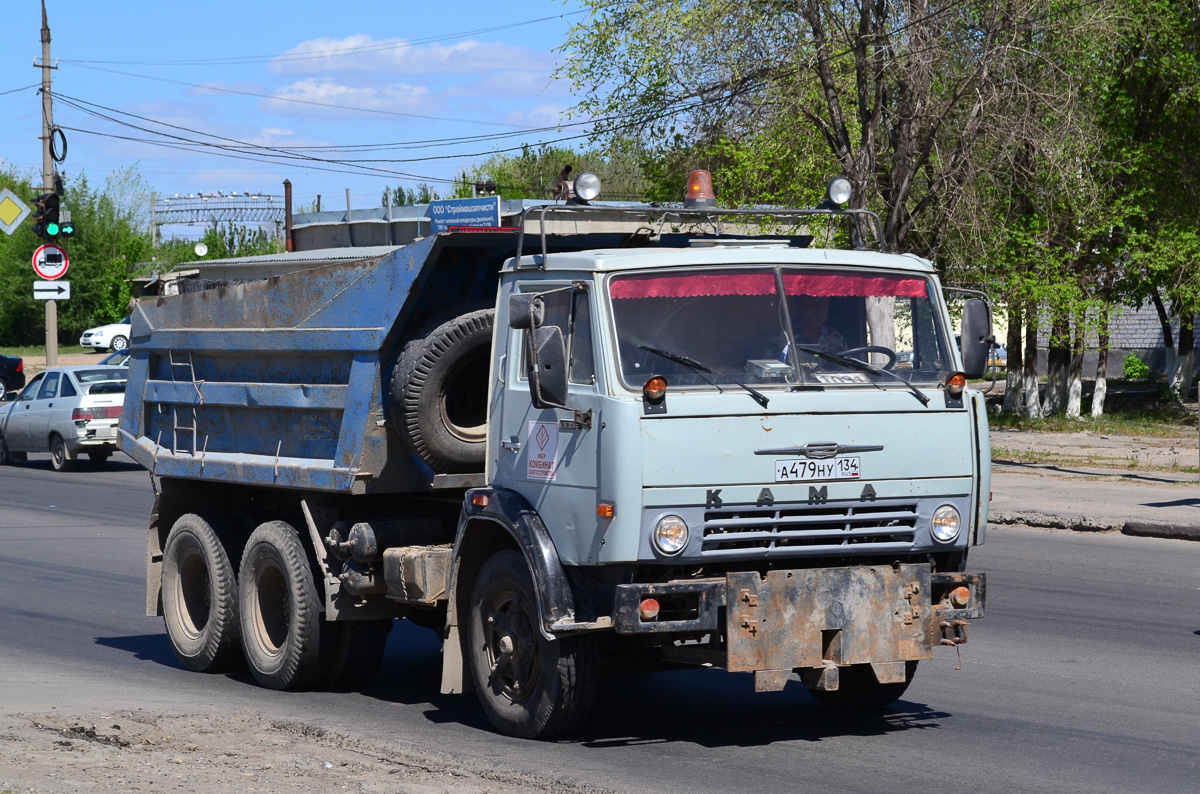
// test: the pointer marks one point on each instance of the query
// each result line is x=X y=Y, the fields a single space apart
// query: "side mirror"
x=976 y=337
x=547 y=356
x=525 y=311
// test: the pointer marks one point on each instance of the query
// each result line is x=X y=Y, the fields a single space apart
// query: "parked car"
x=66 y=411
x=12 y=374
x=114 y=336
x=117 y=358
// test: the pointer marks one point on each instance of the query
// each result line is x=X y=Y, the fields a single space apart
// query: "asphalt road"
x=1082 y=677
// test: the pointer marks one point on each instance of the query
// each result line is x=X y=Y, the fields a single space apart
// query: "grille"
x=809 y=529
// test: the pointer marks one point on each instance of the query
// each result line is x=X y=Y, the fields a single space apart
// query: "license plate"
x=809 y=470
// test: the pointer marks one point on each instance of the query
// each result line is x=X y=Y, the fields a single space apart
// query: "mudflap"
x=819 y=618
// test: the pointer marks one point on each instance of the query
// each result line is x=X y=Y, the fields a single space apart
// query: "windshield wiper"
x=863 y=366
x=678 y=358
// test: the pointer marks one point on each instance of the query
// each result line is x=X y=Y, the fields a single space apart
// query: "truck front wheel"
x=859 y=690
x=529 y=686
x=199 y=593
x=280 y=610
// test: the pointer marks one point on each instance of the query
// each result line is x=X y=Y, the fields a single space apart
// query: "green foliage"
x=1134 y=368
x=530 y=174
x=404 y=197
x=112 y=246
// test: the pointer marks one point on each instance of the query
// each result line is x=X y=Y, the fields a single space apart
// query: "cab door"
x=551 y=456
x=16 y=428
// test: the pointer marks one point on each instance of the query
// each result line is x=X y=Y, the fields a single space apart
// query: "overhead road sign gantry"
x=50 y=262
x=13 y=211
x=52 y=290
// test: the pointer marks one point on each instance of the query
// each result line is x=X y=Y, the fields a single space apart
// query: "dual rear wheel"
x=267 y=611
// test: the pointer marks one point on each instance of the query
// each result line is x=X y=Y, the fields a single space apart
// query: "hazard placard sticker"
x=542 y=460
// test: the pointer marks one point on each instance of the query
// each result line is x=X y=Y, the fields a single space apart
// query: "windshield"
x=733 y=324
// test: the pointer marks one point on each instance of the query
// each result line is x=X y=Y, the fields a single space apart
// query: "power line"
x=302 y=101
x=22 y=88
x=376 y=47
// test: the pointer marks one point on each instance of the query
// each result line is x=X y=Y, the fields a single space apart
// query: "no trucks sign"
x=50 y=262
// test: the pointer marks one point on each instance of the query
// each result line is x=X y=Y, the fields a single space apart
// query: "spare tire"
x=439 y=392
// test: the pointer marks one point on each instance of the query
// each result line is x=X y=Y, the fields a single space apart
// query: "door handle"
x=513 y=445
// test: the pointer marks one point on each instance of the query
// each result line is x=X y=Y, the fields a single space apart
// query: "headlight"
x=670 y=534
x=945 y=523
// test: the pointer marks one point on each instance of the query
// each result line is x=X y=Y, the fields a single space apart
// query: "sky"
x=417 y=82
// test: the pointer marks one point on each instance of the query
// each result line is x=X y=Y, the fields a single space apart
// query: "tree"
x=897 y=91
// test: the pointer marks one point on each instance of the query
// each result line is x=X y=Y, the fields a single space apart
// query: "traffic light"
x=66 y=229
x=45 y=216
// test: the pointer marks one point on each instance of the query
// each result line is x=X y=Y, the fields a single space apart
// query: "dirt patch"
x=243 y=752
x=35 y=364
x=1174 y=453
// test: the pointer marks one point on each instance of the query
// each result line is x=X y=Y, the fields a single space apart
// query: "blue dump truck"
x=605 y=438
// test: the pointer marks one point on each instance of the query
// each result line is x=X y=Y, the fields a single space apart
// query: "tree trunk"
x=1164 y=320
x=1058 y=362
x=1185 y=359
x=1033 y=404
x=1014 y=384
x=1075 y=380
x=881 y=322
x=1101 y=389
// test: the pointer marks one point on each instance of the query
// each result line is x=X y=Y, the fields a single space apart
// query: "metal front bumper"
x=812 y=618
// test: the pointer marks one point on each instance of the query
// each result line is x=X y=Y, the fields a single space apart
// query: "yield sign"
x=50 y=262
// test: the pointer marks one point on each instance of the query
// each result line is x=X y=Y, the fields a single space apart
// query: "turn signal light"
x=700 y=191
x=956 y=383
x=655 y=389
x=605 y=510
x=648 y=609
x=479 y=499
x=959 y=596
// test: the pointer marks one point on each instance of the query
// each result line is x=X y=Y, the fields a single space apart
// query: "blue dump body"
x=282 y=382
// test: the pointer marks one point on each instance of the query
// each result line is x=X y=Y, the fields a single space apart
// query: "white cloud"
x=512 y=85
x=396 y=98
x=361 y=53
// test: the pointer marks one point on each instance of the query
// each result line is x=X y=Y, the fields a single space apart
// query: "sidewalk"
x=1152 y=503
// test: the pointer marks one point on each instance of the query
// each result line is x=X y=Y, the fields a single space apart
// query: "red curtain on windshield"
x=834 y=285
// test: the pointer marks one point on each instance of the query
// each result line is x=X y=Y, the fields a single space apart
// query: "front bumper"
x=93 y=341
x=809 y=618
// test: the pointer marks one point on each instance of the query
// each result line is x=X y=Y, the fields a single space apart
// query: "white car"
x=66 y=411
x=115 y=336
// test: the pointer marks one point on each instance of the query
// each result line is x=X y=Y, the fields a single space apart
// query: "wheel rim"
x=119 y=343
x=271 y=609
x=464 y=400
x=193 y=594
x=58 y=451
x=512 y=647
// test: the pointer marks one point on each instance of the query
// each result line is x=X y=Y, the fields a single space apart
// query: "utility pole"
x=48 y=177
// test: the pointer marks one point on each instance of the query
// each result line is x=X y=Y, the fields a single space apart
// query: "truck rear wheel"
x=439 y=393
x=859 y=690
x=358 y=651
x=280 y=610
x=199 y=593
x=529 y=686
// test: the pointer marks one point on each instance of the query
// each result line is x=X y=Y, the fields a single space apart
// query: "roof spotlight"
x=837 y=192
x=586 y=186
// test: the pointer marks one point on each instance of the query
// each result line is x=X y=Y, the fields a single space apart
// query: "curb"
x=1162 y=529
x=1074 y=523
x=1077 y=523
